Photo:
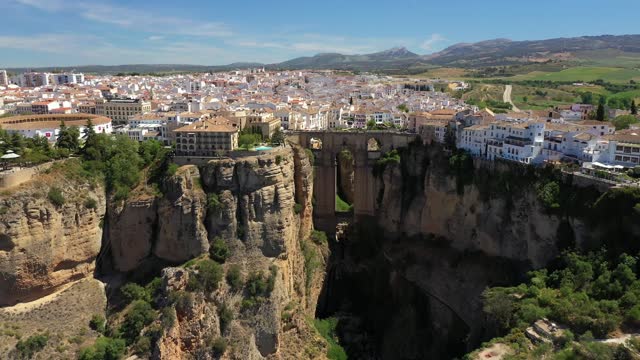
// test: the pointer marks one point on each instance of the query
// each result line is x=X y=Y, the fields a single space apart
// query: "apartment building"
x=624 y=148
x=120 y=110
x=44 y=107
x=206 y=137
x=68 y=78
x=4 y=80
x=521 y=142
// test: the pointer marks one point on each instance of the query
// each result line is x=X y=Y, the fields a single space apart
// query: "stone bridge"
x=326 y=145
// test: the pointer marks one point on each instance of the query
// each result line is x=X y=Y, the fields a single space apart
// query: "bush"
x=297 y=208
x=56 y=196
x=172 y=169
x=167 y=317
x=33 y=344
x=104 y=349
x=213 y=203
x=278 y=159
x=132 y=292
x=234 y=277
x=256 y=284
x=98 y=323
x=91 y=203
x=207 y=278
x=319 y=237
x=226 y=316
x=327 y=329
x=137 y=317
x=182 y=300
x=219 y=346
x=219 y=250
x=142 y=346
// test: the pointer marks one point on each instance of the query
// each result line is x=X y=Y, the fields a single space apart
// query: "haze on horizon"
x=82 y=32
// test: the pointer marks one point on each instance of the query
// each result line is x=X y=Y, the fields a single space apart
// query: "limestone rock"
x=181 y=231
x=44 y=246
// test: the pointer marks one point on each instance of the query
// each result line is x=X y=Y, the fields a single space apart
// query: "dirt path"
x=506 y=97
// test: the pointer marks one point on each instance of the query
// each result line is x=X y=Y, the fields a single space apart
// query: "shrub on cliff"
x=104 y=349
x=213 y=203
x=226 y=316
x=56 y=196
x=207 y=276
x=219 y=346
x=98 y=323
x=132 y=292
x=139 y=315
x=234 y=277
x=219 y=251
x=29 y=347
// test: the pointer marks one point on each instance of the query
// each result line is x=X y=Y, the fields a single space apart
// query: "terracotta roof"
x=218 y=124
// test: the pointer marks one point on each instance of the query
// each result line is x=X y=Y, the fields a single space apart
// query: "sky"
x=212 y=32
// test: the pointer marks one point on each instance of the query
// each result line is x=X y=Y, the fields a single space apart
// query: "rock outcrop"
x=44 y=245
x=260 y=206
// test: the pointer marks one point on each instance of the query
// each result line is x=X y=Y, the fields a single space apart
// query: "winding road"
x=506 y=97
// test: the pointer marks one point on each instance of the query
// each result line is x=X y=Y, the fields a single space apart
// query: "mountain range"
x=497 y=52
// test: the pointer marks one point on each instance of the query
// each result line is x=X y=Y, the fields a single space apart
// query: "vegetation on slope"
x=593 y=296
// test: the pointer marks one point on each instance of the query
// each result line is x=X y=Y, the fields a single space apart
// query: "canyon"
x=405 y=280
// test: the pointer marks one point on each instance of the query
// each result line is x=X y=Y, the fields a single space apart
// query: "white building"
x=4 y=80
x=68 y=78
x=520 y=142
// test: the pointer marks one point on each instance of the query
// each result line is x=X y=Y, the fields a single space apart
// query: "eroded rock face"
x=261 y=207
x=516 y=227
x=42 y=245
x=131 y=230
x=181 y=231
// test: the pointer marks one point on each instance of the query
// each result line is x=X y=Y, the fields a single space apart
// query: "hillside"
x=534 y=55
x=506 y=52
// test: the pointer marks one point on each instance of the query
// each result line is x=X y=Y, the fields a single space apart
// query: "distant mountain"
x=392 y=60
x=506 y=52
x=397 y=60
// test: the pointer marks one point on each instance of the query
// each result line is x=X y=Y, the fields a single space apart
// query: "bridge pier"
x=324 y=190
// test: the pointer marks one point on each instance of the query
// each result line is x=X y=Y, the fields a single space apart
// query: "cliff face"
x=438 y=239
x=423 y=198
x=260 y=207
x=44 y=246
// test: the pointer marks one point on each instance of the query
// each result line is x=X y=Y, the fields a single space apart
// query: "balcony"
x=516 y=141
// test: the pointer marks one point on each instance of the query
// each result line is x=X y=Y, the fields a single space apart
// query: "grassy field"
x=583 y=73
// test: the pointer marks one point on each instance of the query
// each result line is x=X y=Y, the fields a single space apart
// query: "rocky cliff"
x=260 y=207
x=50 y=233
x=445 y=228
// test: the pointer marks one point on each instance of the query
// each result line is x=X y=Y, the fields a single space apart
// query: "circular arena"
x=48 y=125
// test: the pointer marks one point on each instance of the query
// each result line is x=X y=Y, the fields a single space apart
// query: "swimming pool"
x=263 y=148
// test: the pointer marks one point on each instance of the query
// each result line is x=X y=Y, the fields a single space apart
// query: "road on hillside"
x=506 y=97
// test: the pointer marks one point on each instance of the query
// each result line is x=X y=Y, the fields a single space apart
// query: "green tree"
x=139 y=315
x=623 y=121
x=68 y=138
x=634 y=108
x=600 y=116
x=219 y=250
x=208 y=276
x=33 y=344
x=278 y=137
x=104 y=349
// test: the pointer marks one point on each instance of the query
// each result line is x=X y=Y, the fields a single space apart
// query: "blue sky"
x=107 y=32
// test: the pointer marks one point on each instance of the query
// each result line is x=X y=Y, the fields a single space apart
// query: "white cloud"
x=47 y=5
x=431 y=43
x=155 y=38
x=131 y=18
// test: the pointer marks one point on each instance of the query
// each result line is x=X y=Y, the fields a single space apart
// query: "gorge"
x=430 y=231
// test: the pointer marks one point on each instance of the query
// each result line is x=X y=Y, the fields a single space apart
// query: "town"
x=205 y=115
